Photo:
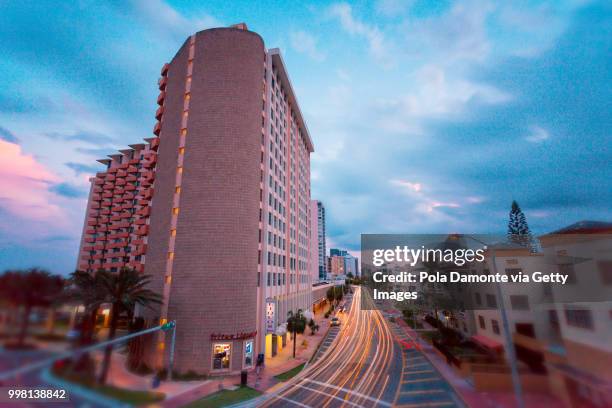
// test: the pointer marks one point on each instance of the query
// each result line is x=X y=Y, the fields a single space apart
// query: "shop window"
x=221 y=356
x=248 y=353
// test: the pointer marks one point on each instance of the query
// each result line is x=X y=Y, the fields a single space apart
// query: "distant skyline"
x=426 y=117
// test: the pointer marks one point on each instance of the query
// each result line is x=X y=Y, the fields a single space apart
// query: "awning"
x=487 y=342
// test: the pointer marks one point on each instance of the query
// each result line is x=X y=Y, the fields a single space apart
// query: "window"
x=248 y=353
x=221 y=356
x=179 y=170
x=605 y=271
x=495 y=326
x=171 y=255
x=181 y=150
x=175 y=211
x=568 y=269
x=513 y=271
x=481 y=322
x=173 y=233
x=478 y=299
x=519 y=302
x=526 y=329
x=581 y=318
x=491 y=301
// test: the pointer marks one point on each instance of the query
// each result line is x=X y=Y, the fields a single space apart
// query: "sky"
x=427 y=117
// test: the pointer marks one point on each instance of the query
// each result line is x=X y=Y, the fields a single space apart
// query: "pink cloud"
x=25 y=184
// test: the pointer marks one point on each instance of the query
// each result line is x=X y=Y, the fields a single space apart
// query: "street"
x=366 y=366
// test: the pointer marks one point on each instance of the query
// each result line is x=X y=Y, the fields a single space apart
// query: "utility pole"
x=510 y=352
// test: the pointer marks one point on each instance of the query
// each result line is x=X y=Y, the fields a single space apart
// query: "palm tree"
x=296 y=323
x=87 y=288
x=123 y=290
x=29 y=289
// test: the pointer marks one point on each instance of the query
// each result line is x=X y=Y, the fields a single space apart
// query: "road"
x=365 y=366
x=34 y=379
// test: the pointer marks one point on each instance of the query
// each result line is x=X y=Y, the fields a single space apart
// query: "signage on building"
x=270 y=315
x=237 y=336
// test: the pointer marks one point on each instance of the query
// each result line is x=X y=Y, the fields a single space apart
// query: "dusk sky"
x=427 y=117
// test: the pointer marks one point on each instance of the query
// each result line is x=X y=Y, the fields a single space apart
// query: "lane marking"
x=420 y=380
x=358 y=394
x=328 y=395
x=427 y=404
x=417 y=392
x=417 y=371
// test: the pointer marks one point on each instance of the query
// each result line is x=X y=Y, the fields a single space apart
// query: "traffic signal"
x=168 y=326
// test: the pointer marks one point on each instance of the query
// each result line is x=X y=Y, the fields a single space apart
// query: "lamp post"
x=516 y=380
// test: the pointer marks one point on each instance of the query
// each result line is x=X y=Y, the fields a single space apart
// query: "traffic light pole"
x=171 y=361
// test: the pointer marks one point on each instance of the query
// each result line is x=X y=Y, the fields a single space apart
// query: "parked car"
x=335 y=321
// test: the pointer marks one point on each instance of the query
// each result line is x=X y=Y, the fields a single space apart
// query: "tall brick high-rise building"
x=116 y=220
x=227 y=241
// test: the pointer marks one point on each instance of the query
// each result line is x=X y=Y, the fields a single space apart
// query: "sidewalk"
x=263 y=382
x=472 y=397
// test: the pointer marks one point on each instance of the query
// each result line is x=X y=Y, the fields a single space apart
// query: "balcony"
x=164 y=70
x=92 y=223
x=159 y=112
x=163 y=81
x=155 y=143
x=144 y=212
x=161 y=97
x=144 y=230
x=157 y=129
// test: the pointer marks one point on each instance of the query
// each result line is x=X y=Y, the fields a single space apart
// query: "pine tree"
x=518 y=230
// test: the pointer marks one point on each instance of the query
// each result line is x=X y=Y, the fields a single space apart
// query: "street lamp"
x=516 y=380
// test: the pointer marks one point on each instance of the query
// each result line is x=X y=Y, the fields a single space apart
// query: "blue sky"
x=427 y=117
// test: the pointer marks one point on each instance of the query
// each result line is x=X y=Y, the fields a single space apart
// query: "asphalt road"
x=360 y=368
x=366 y=365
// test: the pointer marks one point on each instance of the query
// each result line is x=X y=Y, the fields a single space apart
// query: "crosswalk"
x=421 y=384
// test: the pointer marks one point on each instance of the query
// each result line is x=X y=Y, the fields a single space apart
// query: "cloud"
x=68 y=190
x=435 y=95
x=537 y=134
x=80 y=168
x=306 y=43
x=8 y=136
x=377 y=43
x=97 y=153
x=392 y=8
x=93 y=138
x=458 y=34
x=167 y=22
x=25 y=185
